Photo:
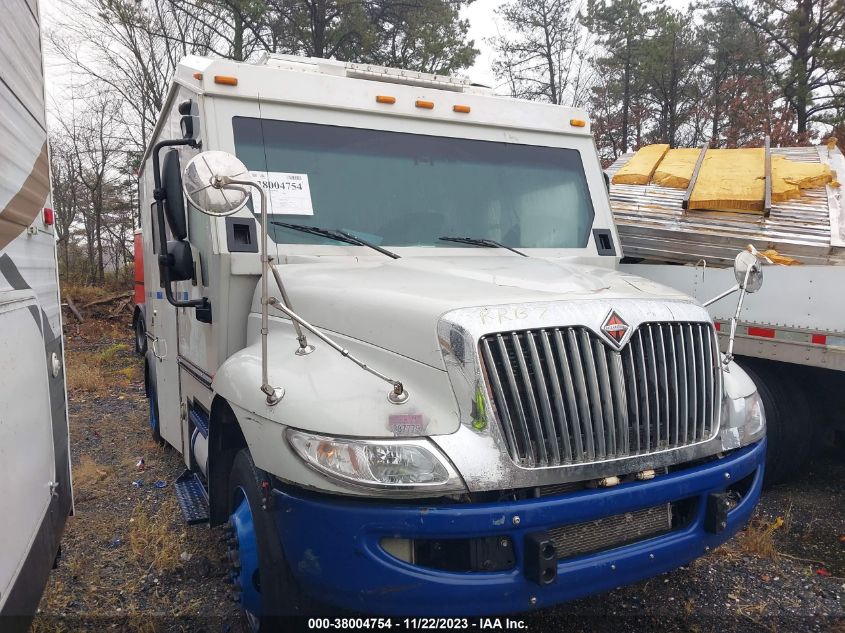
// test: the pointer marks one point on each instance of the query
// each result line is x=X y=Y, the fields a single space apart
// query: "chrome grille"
x=564 y=396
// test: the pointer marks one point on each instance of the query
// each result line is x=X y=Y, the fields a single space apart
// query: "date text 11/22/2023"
x=411 y=624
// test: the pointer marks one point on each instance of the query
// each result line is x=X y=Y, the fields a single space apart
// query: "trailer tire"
x=789 y=420
x=139 y=326
x=266 y=587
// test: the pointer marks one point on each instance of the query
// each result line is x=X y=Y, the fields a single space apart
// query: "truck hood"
x=396 y=304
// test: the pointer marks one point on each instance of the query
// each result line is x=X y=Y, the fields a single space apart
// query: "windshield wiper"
x=479 y=241
x=338 y=235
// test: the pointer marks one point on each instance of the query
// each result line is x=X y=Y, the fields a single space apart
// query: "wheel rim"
x=244 y=557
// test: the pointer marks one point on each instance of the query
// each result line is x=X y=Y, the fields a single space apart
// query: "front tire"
x=264 y=584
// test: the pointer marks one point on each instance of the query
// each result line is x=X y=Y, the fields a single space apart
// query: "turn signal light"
x=428 y=105
x=577 y=122
x=225 y=80
x=385 y=99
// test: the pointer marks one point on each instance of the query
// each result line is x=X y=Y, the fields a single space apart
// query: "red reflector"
x=718 y=327
x=49 y=216
x=761 y=331
x=819 y=339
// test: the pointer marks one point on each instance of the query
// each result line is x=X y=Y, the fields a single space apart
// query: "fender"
x=327 y=393
x=738 y=384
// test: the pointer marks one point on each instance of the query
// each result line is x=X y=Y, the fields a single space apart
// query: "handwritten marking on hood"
x=507 y=314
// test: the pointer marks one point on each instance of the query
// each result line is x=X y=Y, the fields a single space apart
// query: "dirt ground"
x=129 y=562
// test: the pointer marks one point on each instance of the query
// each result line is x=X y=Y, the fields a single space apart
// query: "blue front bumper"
x=333 y=549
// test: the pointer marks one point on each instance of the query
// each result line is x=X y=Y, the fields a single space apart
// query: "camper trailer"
x=387 y=333
x=35 y=489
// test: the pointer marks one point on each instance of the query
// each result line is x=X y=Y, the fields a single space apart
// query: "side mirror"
x=748 y=271
x=175 y=261
x=181 y=261
x=174 y=203
x=207 y=186
x=190 y=121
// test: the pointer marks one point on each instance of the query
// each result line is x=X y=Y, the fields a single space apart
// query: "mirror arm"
x=164 y=260
x=718 y=297
x=729 y=355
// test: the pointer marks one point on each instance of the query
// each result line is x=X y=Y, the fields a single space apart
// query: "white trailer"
x=406 y=372
x=35 y=487
x=791 y=335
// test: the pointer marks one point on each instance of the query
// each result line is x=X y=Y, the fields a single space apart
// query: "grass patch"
x=99 y=370
x=108 y=354
x=84 y=372
x=131 y=374
x=758 y=538
x=89 y=478
x=155 y=542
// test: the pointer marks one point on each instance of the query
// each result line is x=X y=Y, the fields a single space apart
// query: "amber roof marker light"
x=577 y=123
x=463 y=109
x=225 y=80
x=385 y=99
x=426 y=105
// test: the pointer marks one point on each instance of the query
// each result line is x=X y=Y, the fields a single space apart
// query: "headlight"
x=743 y=421
x=391 y=464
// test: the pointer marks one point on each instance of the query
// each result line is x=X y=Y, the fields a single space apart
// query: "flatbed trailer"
x=791 y=334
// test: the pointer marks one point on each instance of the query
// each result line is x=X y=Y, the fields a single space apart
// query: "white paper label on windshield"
x=287 y=194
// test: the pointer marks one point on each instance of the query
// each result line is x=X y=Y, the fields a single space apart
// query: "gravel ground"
x=130 y=563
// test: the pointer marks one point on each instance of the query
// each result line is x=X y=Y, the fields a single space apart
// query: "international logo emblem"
x=615 y=328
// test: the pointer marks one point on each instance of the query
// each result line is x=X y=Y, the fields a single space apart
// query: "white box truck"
x=387 y=332
x=35 y=488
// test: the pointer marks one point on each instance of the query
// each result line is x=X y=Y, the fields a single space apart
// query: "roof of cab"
x=344 y=85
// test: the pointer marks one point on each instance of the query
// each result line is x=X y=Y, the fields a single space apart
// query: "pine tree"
x=670 y=62
x=806 y=42
x=620 y=27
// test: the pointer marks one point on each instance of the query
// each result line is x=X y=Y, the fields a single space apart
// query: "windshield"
x=398 y=189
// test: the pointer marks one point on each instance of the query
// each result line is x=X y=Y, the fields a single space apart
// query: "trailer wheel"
x=155 y=424
x=263 y=582
x=140 y=328
x=789 y=420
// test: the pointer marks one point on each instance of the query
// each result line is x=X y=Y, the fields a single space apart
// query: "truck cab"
x=433 y=393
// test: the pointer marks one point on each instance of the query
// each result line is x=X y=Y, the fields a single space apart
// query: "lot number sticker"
x=287 y=194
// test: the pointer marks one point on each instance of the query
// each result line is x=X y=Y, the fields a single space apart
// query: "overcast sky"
x=484 y=24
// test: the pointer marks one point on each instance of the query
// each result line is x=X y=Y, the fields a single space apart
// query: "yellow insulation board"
x=729 y=179
x=790 y=177
x=639 y=169
x=675 y=170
